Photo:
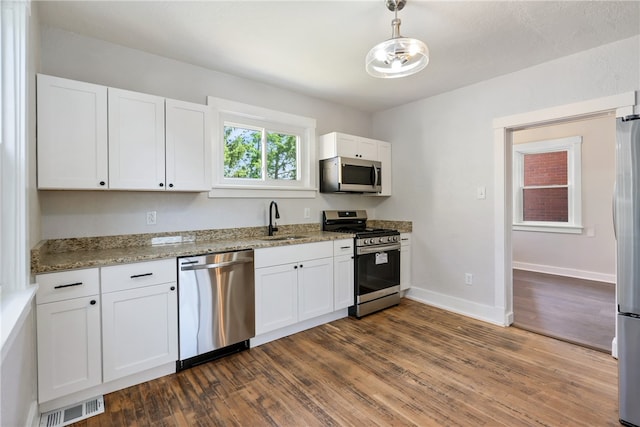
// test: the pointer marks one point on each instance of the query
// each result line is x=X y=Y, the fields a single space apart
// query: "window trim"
x=244 y=114
x=573 y=146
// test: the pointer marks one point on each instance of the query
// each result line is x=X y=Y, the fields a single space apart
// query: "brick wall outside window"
x=545 y=204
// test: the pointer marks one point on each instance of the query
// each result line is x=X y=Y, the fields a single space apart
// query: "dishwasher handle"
x=216 y=265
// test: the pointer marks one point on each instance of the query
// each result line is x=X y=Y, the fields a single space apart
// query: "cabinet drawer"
x=292 y=253
x=405 y=239
x=343 y=247
x=66 y=285
x=138 y=275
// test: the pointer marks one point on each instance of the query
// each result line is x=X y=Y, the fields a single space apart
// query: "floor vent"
x=73 y=413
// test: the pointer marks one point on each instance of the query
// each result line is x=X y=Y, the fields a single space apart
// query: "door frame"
x=503 y=127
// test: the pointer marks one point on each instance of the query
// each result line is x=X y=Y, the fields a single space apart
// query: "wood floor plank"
x=576 y=310
x=409 y=365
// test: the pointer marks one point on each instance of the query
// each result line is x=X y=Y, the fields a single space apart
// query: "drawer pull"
x=345 y=247
x=406 y=238
x=68 y=286
x=135 y=276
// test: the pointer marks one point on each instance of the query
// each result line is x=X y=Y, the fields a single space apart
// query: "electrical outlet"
x=307 y=213
x=151 y=218
x=468 y=278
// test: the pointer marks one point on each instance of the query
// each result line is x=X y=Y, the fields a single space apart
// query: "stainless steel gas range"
x=376 y=261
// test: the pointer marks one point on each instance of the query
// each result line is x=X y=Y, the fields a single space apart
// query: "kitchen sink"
x=280 y=238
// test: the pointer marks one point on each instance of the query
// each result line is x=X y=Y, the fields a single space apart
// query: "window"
x=261 y=153
x=547 y=186
x=13 y=147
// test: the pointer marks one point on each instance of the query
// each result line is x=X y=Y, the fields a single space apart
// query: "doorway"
x=564 y=276
x=619 y=105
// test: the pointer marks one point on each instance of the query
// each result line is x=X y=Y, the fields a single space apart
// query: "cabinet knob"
x=301 y=265
x=161 y=184
x=171 y=185
x=102 y=183
x=295 y=267
x=92 y=302
x=173 y=288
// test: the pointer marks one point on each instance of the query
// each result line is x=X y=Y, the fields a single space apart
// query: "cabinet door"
x=315 y=288
x=343 y=281
x=136 y=141
x=188 y=146
x=405 y=261
x=347 y=146
x=69 y=355
x=367 y=149
x=72 y=134
x=276 y=297
x=139 y=329
x=384 y=156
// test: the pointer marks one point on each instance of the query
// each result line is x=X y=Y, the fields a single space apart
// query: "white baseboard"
x=568 y=272
x=486 y=313
x=297 y=327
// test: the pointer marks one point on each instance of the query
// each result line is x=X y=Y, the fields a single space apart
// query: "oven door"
x=377 y=271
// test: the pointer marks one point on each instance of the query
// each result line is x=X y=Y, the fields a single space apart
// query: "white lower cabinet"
x=405 y=261
x=276 y=297
x=343 y=273
x=88 y=337
x=315 y=288
x=139 y=323
x=68 y=333
x=293 y=283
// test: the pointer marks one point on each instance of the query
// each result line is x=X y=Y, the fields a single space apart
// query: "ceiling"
x=318 y=47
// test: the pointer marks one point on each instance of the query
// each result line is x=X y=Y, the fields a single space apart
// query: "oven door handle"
x=379 y=248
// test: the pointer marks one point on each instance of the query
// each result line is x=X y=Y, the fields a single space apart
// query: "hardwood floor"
x=575 y=310
x=408 y=365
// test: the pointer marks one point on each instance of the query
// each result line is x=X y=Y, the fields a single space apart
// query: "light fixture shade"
x=397 y=57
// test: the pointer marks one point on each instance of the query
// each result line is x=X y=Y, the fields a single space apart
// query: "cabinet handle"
x=102 y=183
x=92 y=302
x=173 y=288
x=135 y=276
x=345 y=247
x=406 y=238
x=171 y=185
x=67 y=286
x=161 y=184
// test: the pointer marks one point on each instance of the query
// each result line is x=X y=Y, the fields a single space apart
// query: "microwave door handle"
x=375 y=175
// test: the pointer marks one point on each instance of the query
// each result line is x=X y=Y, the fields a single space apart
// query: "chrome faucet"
x=273 y=227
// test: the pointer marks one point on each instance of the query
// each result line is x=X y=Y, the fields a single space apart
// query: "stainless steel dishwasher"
x=216 y=306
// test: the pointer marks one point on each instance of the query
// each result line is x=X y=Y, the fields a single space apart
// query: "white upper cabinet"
x=72 y=134
x=94 y=137
x=188 y=146
x=340 y=144
x=136 y=141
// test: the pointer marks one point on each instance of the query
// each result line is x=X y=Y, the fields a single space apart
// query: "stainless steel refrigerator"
x=627 y=228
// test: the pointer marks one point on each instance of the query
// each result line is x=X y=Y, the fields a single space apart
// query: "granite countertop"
x=67 y=254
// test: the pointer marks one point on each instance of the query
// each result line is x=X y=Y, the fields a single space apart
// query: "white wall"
x=443 y=150
x=85 y=213
x=590 y=255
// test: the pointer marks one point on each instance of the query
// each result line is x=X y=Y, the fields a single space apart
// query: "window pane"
x=242 y=153
x=545 y=204
x=545 y=168
x=282 y=156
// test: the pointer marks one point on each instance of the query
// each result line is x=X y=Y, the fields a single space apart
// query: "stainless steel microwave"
x=346 y=175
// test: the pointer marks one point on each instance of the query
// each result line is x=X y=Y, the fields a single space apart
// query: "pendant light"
x=399 y=56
